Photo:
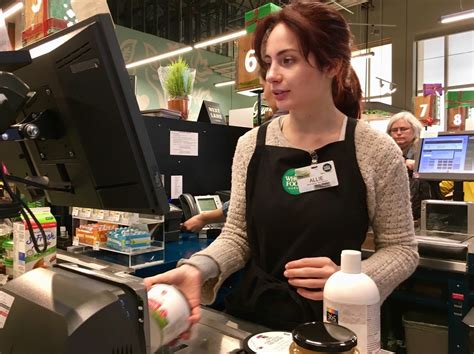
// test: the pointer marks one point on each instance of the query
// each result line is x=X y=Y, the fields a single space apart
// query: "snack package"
x=25 y=256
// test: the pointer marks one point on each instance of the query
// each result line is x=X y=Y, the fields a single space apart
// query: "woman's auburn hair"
x=323 y=32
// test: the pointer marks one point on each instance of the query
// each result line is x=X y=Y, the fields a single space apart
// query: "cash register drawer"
x=447 y=216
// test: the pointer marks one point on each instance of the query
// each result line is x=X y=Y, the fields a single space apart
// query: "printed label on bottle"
x=363 y=320
x=270 y=342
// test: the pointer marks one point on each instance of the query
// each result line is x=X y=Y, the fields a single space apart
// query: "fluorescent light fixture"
x=251 y=92
x=225 y=83
x=458 y=16
x=363 y=55
x=159 y=57
x=340 y=6
x=225 y=38
x=12 y=10
x=49 y=46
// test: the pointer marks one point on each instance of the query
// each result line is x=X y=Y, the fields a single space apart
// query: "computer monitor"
x=448 y=156
x=97 y=141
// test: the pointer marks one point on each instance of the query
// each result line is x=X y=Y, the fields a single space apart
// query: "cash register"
x=447 y=226
x=84 y=143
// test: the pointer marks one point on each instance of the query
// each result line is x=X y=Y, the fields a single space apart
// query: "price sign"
x=99 y=214
x=96 y=246
x=126 y=218
x=114 y=216
x=75 y=211
x=75 y=241
x=86 y=212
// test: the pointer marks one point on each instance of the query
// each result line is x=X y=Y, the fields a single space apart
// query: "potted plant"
x=177 y=79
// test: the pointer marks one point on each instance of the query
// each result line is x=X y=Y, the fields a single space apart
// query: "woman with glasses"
x=405 y=129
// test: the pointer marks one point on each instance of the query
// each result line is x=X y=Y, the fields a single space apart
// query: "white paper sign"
x=428 y=134
x=6 y=302
x=176 y=186
x=184 y=143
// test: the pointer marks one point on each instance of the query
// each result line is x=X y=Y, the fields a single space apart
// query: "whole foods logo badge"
x=332 y=315
x=290 y=183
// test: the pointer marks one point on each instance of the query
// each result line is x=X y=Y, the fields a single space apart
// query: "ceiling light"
x=12 y=10
x=340 y=6
x=50 y=45
x=251 y=92
x=225 y=83
x=159 y=57
x=363 y=55
x=392 y=85
x=459 y=16
x=225 y=38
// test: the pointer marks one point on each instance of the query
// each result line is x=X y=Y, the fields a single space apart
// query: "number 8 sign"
x=457 y=118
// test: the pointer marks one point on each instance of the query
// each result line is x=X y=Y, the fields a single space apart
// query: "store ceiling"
x=190 y=21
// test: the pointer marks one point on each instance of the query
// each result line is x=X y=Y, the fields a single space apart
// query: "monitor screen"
x=206 y=204
x=448 y=156
x=97 y=140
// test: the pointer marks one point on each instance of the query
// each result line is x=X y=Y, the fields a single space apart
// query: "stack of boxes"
x=94 y=234
x=43 y=18
x=25 y=257
x=127 y=239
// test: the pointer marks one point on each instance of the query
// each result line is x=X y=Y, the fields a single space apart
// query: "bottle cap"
x=351 y=261
x=62 y=228
x=324 y=337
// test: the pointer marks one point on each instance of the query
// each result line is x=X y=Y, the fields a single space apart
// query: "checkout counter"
x=443 y=282
x=96 y=307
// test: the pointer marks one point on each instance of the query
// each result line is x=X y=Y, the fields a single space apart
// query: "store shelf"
x=115 y=217
x=135 y=258
x=143 y=257
x=134 y=252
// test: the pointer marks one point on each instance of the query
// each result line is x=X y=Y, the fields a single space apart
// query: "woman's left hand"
x=410 y=164
x=309 y=275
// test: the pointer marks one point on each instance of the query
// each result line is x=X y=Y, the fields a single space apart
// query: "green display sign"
x=252 y=17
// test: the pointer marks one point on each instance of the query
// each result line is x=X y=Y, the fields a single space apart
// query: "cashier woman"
x=286 y=230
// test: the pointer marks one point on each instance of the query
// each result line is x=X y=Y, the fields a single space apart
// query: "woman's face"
x=403 y=134
x=295 y=83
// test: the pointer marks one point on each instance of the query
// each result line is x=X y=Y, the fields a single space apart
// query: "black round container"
x=324 y=337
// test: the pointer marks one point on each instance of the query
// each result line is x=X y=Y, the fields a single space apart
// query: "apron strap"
x=262 y=134
x=350 y=129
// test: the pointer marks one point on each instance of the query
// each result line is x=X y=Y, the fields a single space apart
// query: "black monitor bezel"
x=157 y=201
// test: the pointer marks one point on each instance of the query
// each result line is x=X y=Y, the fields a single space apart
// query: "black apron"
x=282 y=227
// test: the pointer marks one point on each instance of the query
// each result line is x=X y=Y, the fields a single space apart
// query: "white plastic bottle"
x=352 y=300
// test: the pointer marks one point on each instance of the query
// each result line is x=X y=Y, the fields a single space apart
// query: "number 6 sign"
x=247 y=66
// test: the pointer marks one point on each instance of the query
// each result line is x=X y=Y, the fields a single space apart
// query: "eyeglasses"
x=401 y=129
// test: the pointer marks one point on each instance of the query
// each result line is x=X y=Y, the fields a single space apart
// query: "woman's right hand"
x=194 y=224
x=187 y=279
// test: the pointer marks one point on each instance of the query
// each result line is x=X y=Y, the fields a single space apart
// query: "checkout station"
x=71 y=115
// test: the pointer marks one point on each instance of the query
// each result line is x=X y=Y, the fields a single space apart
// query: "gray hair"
x=411 y=119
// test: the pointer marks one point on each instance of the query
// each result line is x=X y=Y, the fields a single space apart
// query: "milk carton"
x=26 y=258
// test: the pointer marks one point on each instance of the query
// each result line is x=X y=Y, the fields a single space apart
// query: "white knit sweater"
x=388 y=200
